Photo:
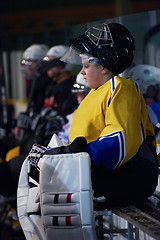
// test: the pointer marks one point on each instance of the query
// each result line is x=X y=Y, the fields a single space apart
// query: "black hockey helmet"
x=110 y=43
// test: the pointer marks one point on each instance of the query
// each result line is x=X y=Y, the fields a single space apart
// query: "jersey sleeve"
x=108 y=150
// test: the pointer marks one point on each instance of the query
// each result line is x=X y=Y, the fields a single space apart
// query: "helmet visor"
x=74 y=56
x=27 y=62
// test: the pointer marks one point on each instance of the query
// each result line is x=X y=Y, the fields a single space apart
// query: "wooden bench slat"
x=145 y=217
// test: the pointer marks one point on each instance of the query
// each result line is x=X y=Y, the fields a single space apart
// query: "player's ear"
x=104 y=70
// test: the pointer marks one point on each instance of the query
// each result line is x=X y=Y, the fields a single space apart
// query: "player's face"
x=92 y=73
x=53 y=72
x=31 y=66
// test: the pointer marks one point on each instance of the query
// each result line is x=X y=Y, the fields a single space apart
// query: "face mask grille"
x=100 y=35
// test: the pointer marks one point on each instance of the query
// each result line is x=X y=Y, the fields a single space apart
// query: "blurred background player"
x=80 y=89
x=148 y=79
x=59 y=96
x=32 y=60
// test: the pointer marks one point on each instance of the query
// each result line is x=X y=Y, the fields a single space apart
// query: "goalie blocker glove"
x=37 y=151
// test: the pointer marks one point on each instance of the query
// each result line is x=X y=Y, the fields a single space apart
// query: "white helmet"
x=80 y=84
x=58 y=51
x=145 y=75
x=35 y=52
x=80 y=79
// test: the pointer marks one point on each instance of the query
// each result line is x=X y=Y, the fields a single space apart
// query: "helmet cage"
x=100 y=36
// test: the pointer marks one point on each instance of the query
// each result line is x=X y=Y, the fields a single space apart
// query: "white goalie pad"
x=66 y=197
x=27 y=208
x=65 y=202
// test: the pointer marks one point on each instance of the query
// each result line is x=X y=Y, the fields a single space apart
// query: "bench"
x=144 y=217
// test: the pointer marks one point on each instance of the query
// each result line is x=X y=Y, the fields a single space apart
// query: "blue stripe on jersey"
x=108 y=150
x=142 y=129
x=113 y=84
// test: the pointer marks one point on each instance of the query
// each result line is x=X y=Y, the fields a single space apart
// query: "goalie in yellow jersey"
x=113 y=118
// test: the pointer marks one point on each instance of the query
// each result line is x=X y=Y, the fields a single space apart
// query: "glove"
x=37 y=151
x=55 y=124
x=78 y=145
x=47 y=127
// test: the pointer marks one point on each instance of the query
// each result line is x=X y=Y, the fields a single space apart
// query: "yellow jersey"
x=114 y=120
